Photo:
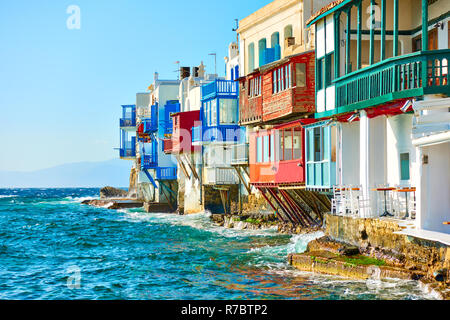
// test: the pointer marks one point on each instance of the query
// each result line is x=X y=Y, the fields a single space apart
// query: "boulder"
x=111 y=193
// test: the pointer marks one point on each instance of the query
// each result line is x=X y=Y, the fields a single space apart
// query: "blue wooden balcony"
x=149 y=161
x=408 y=76
x=128 y=119
x=220 y=88
x=150 y=125
x=169 y=173
x=127 y=153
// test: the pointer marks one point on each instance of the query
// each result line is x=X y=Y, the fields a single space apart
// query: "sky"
x=61 y=89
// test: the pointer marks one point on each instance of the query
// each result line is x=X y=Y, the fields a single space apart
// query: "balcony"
x=220 y=88
x=219 y=134
x=149 y=161
x=407 y=76
x=168 y=146
x=128 y=120
x=127 y=153
x=150 y=125
x=239 y=154
x=166 y=173
x=220 y=176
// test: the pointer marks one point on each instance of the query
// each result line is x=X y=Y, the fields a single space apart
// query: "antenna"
x=215 y=62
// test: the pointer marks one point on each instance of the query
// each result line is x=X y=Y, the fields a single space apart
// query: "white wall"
x=435 y=189
x=350 y=153
x=399 y=140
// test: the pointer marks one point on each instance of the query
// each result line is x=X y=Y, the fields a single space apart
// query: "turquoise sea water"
x=52 y=247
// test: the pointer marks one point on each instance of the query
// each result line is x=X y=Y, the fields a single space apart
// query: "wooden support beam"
x=167 y=197
x=295 y=209
x=325 y=204
x=305 y=200
x=283 y=206
x=183 y=168
x=247 y=187
x=271 y=204
x=192 y=167
x=286 y=216
x=224 y=198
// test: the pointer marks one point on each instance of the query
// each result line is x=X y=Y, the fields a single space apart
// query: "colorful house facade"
x=277 y=99
x=371 y=70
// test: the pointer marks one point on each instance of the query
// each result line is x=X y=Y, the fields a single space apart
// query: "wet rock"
x=349 y=251
x=112 y=193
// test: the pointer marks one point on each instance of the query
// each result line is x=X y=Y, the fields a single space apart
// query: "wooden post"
x=348 y=39
x=372 y=32
x=358 y=46
x=424 y=25
x=383 y=31
x=337 y=44
x=395 y=44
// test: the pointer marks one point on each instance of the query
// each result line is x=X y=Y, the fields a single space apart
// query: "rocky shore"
x=114 y=199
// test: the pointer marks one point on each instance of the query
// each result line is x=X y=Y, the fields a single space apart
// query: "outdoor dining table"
x=406 y=191
x=385 y=190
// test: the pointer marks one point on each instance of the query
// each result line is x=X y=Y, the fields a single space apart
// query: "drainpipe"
x=364 y=157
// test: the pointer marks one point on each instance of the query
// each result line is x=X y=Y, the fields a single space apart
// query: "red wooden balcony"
x=277 y=155
x=279 y=91
x=183 y=122
x=168 y=146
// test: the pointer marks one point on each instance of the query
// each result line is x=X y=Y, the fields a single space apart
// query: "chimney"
x=156 y=76
x=194 y=72
x=185 y=72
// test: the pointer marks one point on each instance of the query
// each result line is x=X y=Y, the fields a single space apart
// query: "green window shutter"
x=404 y=167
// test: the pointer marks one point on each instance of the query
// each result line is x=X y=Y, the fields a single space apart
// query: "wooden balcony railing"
x=239 y=154
x=220 y=88
x=399 y=77
x=220 y=176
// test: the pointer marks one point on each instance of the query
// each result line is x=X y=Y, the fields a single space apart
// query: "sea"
x=54 y=248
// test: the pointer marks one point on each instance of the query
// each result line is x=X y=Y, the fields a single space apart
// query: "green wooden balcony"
x=406 y=76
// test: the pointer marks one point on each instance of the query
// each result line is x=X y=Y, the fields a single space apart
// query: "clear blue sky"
x=61 y=89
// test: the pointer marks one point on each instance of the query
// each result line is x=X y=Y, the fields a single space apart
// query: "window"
x=254 y=88
x=275 y=39
x=266 y=149
x=297 y=143
x=318 y=144
x=228 y=111
x=213 y=113
x=262 y=51
x=259 y=149
x=288 y=32
x=251 y=57
x=300 y=75
x=404 y=167
x=287 y=145
x=329 y=69
x=281 y=79
x=320 y=73
x=272 y=148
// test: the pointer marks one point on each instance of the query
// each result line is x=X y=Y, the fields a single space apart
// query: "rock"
x=349 y=251
x=440 y=275
x=110 y=192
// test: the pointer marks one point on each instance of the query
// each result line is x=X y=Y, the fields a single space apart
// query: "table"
x=406 y=191
x=385 y=190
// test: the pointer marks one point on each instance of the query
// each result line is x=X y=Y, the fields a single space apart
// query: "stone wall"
x=377 y=238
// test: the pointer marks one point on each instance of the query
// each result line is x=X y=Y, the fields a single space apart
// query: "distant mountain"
x=113 y=173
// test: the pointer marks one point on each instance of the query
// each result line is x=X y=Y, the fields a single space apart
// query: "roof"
x=264 y=13
x=325 y=9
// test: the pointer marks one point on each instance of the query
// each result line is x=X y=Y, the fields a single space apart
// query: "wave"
x=8 y=196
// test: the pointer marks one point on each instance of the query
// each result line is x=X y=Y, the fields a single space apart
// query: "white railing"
x=220 y=176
